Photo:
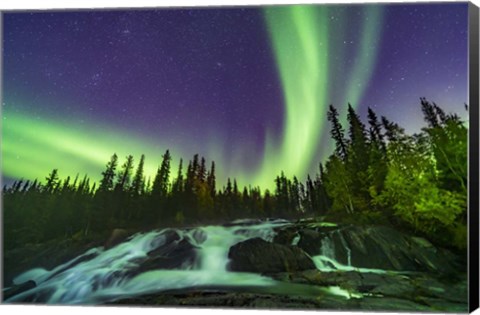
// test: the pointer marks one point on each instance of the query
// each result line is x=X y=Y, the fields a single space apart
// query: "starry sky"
x=247 y=87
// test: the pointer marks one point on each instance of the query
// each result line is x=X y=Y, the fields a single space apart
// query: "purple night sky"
x=206 y=80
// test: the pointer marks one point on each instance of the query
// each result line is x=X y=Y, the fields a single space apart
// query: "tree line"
x=377 y=174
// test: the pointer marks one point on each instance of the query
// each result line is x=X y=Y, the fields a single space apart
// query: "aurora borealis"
x=246 y=87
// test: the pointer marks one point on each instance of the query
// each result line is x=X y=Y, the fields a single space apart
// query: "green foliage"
x=338 y=184
x=417 y=200
x=376 y=176
x=425 y=184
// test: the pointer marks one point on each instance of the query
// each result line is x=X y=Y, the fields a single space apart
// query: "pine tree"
x=211 y=180
x=138 y=183
x=161 y=181
x=358 y=162
x=190 y=178
x=202 y=171
x=377 y=169
x=106 y=183
x=177 y=186
x=324 y=202
x=337 y=133
x=358 y=138
x=448 y=139
x=294 y=192
x=393 y=131
x=376 y=135
x=195 y=167
x=123 y=179
x=51 y=182
x=429 y=113
x=26 y=186
x=311 y=196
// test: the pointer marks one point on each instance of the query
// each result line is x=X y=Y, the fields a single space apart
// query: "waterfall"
x=344 y=244
x=327 y=261
x=113 y=273
x=327 y=247
x=165 y=260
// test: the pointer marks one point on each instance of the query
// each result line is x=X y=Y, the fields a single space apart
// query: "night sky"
x=246 y=87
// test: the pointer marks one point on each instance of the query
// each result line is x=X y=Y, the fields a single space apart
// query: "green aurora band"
x=31 y=148
x=304 y=42
x=299 y=37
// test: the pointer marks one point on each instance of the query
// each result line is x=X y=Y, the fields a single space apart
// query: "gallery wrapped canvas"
x=304 y=156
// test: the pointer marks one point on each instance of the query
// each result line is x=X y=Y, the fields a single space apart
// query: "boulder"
x=164 y=242
x=257 y=255
x=378 y=247
x=80 y=259
x=176 y=254
x=310 y=241
x=17 y=289
x=375 y=247
x=116 y=237
x=46 y=255
x=386 y=248
x=285 y=236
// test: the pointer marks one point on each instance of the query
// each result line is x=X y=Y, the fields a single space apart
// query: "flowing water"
x=101 y=275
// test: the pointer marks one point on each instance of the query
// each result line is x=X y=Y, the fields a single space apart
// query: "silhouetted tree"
x=106 y=183
x=123 y=178
x=51 y=184
x=337 y=133
x=138 y=183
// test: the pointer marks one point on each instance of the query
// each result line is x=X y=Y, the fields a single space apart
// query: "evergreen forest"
x=378 y=174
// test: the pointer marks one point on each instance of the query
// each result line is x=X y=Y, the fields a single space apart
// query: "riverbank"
x=245 y=264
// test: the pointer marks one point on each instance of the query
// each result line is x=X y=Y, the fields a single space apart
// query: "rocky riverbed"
x=250 y=264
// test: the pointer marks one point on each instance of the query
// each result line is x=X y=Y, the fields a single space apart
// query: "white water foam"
x=108 y=276
x=100 y=275
x=327 y=262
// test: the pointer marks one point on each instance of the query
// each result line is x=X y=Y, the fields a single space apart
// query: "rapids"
x=100 y=275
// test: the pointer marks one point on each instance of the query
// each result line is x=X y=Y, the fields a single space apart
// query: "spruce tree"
x=211 y=180
x=161 y=181
x=337 y=133
x=177 y=186
x=106 y=183
x=138 y=183
x=202 y=171
x=123 y=179
x=51 y=182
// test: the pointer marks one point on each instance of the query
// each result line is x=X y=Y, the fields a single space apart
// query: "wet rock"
x=116 y=237
x=454 y=291
x=239 y=300
x=351 y=280
x=164 y=242
x=444 y=305
x=257 y=255
x=17 y=289
x=47 y=255
x=391 y=304
x=80 y=259
x=285 y=236
x=310 y=241
x=378 y=247
x=177 y=254
x=275 y=301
